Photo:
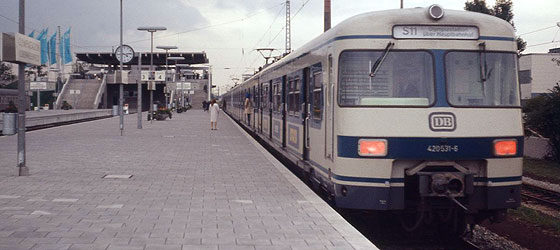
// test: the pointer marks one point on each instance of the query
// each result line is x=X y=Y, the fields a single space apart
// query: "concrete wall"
x=544 y=72
x=536 y=147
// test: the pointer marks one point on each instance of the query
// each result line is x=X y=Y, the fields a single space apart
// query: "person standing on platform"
x=248 y=108
x=214 y=111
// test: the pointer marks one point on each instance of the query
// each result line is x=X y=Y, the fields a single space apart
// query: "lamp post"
x=121 y=97
x=175 y=58
x=209 y=82
x=166 y=48
x=22 y=101
x=151 y=29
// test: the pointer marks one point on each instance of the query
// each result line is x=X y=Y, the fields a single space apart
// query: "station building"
x=97 y=84
x=538 y=73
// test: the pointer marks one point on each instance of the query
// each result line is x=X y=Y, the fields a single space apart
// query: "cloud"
x=96 y=23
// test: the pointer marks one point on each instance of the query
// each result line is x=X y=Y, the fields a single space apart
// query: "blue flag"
x=32 y=34
x=61 y=49
x=42 y=37
x=52 y=49
x=67 y=54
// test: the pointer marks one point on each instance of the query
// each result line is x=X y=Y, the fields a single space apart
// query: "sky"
x=229 y=31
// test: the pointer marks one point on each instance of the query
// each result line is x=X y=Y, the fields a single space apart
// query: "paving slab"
x=191 y=188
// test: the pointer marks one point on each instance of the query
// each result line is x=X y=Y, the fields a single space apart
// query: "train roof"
x=382 y=22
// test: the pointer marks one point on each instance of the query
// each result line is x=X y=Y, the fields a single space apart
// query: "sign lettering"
x=442 y=121
x=435 y=32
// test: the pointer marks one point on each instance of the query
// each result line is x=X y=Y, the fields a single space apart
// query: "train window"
x=404 y=78
x=482 y=79
x=293 y=95
x=265 y=97
x=317 y=112
x=255 y=97
x=276 y=97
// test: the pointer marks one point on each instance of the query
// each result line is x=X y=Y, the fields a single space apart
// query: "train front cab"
x=455 y=143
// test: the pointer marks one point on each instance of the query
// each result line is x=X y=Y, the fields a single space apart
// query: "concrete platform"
x=191 y=188
x=44 y=117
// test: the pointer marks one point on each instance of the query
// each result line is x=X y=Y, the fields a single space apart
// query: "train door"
x=305 y=112
x=268 y=90
x=284 y=111
x=329 y=105
x=277 y=111
x=254 y=106
x=260 y=109
x=315 y=122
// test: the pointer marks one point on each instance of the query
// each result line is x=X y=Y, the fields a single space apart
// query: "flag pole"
x=61 y=57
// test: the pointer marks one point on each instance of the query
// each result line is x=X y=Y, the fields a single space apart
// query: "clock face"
x=124 y=53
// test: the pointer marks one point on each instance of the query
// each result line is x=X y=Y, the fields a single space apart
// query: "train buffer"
x=174 y=184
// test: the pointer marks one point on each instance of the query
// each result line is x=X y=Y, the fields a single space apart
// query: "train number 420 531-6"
x=443 y=148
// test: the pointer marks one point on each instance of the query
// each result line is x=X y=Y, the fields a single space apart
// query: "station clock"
x=124 y=53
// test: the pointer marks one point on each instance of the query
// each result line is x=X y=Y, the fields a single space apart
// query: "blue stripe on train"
x=401 y=180
x=421 y=148
x=498 y=179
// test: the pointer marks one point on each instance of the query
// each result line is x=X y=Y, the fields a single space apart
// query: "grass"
x=535 y=217
x=542 y=170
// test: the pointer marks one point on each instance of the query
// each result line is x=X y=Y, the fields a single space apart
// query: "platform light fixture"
x=151 y=29
x=175 y=58
x=166 y=48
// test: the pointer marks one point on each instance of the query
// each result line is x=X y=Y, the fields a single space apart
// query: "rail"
x=543 y=196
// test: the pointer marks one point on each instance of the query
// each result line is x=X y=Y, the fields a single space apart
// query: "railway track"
x=543 y=196
x=57 y=124
x=384 y=234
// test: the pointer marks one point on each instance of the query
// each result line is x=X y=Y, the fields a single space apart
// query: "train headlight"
x=372 y=147
x=506 y=147
x=435 y=11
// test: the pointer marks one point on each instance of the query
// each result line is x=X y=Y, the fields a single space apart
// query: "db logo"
x=442 y=121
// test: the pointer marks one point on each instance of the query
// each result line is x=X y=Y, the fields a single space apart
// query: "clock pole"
x=121 y=113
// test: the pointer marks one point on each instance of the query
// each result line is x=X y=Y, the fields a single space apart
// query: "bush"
x=11 y=108
x=542 y=114
x=66 y=105
x=164 y=111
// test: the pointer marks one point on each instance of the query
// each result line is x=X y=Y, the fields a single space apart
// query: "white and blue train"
x=415 y=111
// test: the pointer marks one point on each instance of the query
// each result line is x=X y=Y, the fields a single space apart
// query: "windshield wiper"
x=380 y=60
x=483 y=66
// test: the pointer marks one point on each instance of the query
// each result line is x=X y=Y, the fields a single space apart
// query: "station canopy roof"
x=108 y=58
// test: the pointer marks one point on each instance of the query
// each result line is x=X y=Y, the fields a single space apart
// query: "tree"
x=478 y=6
x=502 y=9
x=542 y=113
x=6 y=72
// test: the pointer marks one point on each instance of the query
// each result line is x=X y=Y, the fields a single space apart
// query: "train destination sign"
x=435 y=32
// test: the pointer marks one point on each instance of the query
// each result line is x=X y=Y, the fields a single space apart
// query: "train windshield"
x=405 y=78
x=482 y=79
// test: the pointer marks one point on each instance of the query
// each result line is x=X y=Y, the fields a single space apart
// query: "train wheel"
x=411 y=221
x=453 y=225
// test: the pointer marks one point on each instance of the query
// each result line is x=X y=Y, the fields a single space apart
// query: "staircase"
x=197 y=98
x=81 y=93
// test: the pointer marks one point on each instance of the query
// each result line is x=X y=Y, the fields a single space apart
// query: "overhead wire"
x=264 y=34
x=164 y=36
x=269 y=27
x=539 y=44
x=545 y=43
x=291 y=18
x=534 y=31
x=284 y=27
x=207 y=27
